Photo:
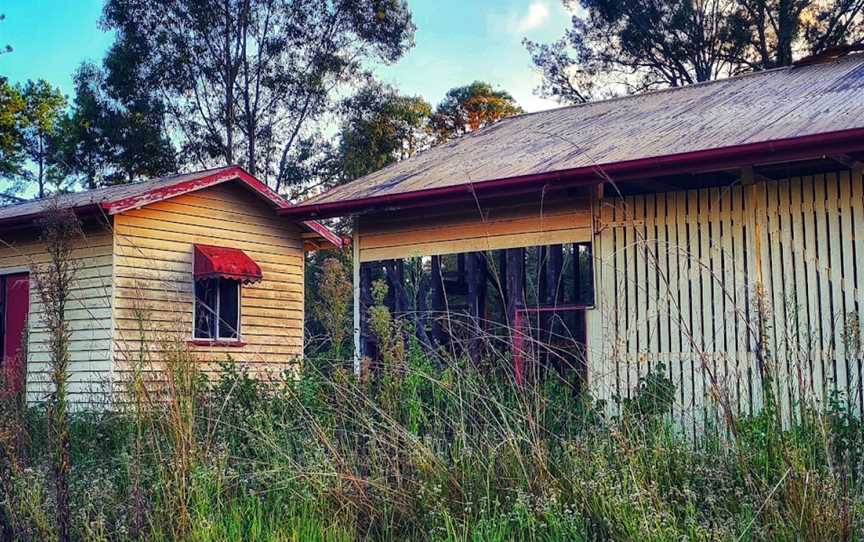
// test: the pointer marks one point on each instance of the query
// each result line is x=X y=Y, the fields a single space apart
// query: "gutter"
x=89 y=210
x=749 y=154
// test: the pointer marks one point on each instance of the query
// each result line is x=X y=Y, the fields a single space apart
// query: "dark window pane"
x=229 y=302
x=205 y=308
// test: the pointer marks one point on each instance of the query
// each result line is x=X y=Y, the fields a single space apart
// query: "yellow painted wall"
x=448 y=229
x=88 y=311
x=153 y=249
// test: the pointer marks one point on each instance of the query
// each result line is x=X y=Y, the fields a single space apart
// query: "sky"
x=457 y=42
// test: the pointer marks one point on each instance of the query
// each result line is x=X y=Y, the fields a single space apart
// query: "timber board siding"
x=677 y=278
x=154 y=288
x=476 y=227
x=88 y=312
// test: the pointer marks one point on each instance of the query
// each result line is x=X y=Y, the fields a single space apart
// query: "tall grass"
x=416 y=453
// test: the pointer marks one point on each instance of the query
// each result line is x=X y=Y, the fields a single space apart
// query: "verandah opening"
x=523 y=304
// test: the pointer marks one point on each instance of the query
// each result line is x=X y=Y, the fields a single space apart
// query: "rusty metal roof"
x=766 y=106
x=104 y=196
x=111 y=200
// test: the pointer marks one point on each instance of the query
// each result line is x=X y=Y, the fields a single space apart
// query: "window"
x=217 y=309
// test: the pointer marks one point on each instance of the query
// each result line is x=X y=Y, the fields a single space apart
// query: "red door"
x=15 y=303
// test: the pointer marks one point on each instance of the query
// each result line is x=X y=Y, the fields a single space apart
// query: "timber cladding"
x=678 y=276
x=154 y=293
x=474 y=227
x=88 y=310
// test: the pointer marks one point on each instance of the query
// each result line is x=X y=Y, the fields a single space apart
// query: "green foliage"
x=115 y=131
x=654 y=395
x=12 y=122
x=42 y=122
x=334 y=303
x=417 y=453
x=380 y=127
x=628 y=46
x=471 y=107
x=251 y=82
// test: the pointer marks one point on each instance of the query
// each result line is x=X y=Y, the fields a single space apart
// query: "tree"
x=632 y=46
x=12 y=123
x=247 y=81
x=136 y=126
x=43 y=111
x=380 y=127
x=83 y=148
x=471 y=107
x=116 y=130
x=773 y=31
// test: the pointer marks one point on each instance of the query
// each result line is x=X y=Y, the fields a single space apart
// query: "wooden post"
x=542 y=272
x=438 y=307
x=515 y=281
x=476 y=275
x=367 y=342
x=395 y=270
x=554 y=269
x=502 y=279
x=355 y=280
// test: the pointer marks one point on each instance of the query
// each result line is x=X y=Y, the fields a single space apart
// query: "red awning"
x=227 y=263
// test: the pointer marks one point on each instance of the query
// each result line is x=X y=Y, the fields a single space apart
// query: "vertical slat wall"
x=677 y=278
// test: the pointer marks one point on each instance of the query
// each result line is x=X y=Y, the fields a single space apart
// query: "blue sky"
x=457 y=41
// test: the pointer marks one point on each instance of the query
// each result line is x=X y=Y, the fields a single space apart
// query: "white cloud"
x=535 y=17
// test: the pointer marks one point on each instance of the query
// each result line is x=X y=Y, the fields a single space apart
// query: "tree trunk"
x=476 y=273
x=41 y=178
x=554 y=268
x=229 y=89
x=367 y=341
x=515 y=280
x=438 y=306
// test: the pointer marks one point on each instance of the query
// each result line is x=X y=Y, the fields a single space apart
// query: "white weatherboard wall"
x=677 y=277
x=88 y=312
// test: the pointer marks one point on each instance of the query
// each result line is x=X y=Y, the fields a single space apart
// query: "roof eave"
x=87 y=211
x=109 y=208
x=760 y=153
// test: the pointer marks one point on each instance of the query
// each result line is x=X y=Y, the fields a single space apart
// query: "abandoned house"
x=201 y=256
x=713 y=232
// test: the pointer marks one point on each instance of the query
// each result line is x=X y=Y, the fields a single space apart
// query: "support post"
x=437 y=301
x=554 y=269
x=355 y=268
x=476 y=271
x=515 y=279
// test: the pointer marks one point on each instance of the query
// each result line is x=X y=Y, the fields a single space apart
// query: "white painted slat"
x=826 y=346
x=849 y=317
x=857 y=197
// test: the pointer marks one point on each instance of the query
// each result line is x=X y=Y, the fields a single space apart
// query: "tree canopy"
x=618 y=46
x=471 y=107
x=248 y=82
x=380 y=127
x=12 y=124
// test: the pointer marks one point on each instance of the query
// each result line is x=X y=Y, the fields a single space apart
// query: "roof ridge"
x=118 y=185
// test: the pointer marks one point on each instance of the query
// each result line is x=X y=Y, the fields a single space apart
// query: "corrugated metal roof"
x=760 y=107
x=116 y=199
x=104 y=195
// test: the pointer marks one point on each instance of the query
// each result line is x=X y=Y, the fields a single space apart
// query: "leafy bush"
x=416 y=453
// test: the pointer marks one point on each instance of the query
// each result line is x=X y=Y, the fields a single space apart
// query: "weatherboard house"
x=714 y=232
x=202 y=256
x=723 y=224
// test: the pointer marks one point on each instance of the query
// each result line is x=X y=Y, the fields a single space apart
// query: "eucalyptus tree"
x=248 y=81
x=623 y=46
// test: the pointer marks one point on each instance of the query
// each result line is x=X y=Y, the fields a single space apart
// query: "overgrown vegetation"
x=414 y=453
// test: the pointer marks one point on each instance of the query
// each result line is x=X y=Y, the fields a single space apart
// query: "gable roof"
x=112 y=200
x=799 y=106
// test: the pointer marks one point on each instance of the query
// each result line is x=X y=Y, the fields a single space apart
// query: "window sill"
x=234 y=343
